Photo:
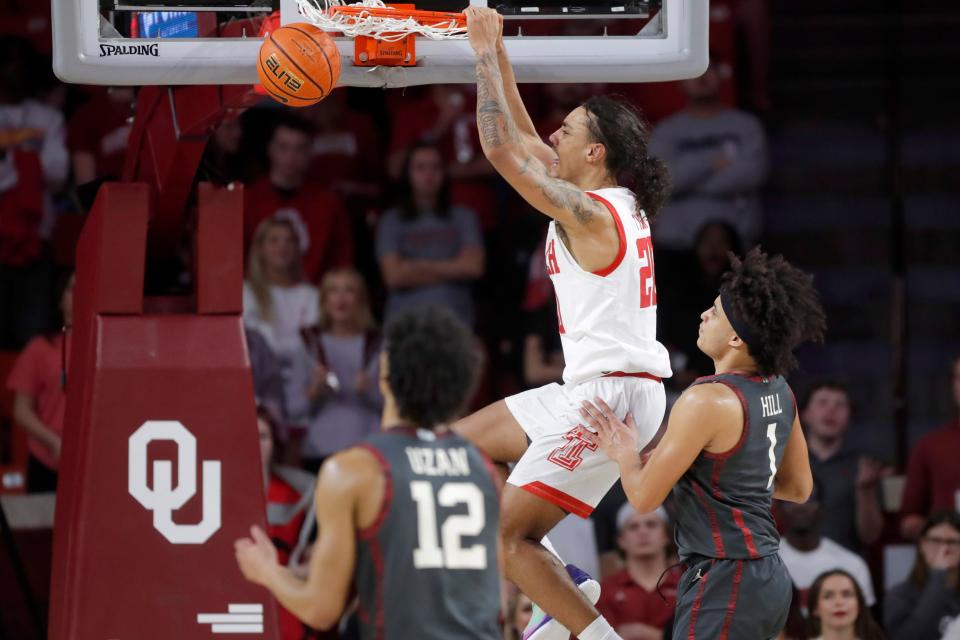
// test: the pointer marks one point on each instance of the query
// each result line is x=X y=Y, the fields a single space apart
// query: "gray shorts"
x=732 y=599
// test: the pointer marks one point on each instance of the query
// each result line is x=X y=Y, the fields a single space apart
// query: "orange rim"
x=428 y=18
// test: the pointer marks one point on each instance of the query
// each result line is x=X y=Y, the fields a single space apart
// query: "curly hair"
x=619 y=127
x=431 y=365
x=780 y=305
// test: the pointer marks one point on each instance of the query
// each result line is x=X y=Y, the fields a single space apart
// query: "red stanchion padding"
x=161 y=466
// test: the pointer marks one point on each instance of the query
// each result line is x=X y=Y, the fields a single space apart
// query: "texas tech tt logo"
x=162 y=498
x=570 y=455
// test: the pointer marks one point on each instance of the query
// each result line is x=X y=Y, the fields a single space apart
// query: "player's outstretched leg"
x=495 y=432
x=524 y=520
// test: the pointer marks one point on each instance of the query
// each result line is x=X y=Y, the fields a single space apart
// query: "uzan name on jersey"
x=608 y=318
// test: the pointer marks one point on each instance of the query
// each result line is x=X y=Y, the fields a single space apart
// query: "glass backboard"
x=182 y=42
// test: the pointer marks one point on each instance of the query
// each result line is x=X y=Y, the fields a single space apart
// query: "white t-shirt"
x=806 y=566
x=294 y=308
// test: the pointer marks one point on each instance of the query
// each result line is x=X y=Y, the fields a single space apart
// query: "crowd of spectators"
x=369 y=204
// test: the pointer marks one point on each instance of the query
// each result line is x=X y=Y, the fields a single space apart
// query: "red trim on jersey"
x=712 y=517
x=695 y=611
x=622 y=250
x=379 y=611
x=732 y=603
x=621 y=374
x=565 y=501
x=746 y=425
x=715 y=478
x=747 y=534
x=494 y=473
x=370 y=533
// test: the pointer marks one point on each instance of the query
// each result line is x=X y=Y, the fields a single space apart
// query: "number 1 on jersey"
x=648 y=285
x=772 y=436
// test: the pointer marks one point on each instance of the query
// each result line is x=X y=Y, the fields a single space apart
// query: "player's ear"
x=596 y=153
x=736 y=342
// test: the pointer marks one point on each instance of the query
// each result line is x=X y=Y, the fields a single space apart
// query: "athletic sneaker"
x=542 y=626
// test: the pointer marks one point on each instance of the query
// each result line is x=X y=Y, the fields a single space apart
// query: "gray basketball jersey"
x=723 y=501
x=427 y=567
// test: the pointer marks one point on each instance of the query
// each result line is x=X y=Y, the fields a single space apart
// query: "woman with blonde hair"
x=278 y=303
x=343 y=388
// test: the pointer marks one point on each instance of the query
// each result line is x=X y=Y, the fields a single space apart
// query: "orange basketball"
x=299 y=64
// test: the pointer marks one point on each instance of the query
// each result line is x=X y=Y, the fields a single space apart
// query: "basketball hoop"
x=383 y=34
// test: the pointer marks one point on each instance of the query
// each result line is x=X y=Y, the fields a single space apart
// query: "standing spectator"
x=33 y=165
x=429 y=250
x=98 y=132
x=852 y=515
x=322 y=225
x=223 y=161
x=639 y=600
x=838 y=609
x=445 y=116
x=718 y=162
x=278 y=303
x=807 y=553
x=933 y=477
x=39 y=401
x=344 y=386
x=23 y=270
x=929 y=600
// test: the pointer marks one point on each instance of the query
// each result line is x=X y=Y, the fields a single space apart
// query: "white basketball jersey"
x=608 y=318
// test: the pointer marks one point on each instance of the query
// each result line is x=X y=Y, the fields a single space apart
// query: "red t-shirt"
x=318 y=215
x=37 y=373
x=933 y=476
x=623 y=601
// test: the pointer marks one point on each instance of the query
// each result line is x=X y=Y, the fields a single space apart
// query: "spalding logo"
x=107 y=50
x=289 y=80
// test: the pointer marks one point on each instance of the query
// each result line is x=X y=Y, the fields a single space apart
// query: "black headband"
x=742 y=328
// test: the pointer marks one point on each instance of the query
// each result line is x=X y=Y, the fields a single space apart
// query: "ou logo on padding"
x=163 y=499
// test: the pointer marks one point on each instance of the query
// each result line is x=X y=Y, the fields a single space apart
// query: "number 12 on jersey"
x=430 y=553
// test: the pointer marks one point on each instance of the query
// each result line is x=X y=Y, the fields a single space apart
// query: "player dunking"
x=733 y=443
x=600 y=258
x=409 y=515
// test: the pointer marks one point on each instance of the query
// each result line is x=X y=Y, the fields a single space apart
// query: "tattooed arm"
x=530 y=138
x=504 y=145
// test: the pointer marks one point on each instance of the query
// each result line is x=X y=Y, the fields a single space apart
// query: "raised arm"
x=530 y=138
x=503 y=141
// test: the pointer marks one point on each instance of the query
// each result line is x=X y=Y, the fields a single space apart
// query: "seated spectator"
x=542 y=352
x=430 y=251
x=839 y=611
x=639 y=600
x=278 y=303
x=322 y=224
x=852 y=516
x=344 y=386
x=808 y=553
x=933 y=477
x=97 y=134
x=929 y=600
x=519 y=612
x=37 y=381
x=289 y=494
x=686 y=286
x=718 y=162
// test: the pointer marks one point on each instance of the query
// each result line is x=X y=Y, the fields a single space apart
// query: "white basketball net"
x=319 y=13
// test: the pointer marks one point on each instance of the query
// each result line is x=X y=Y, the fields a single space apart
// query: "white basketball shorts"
x=559 y=465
